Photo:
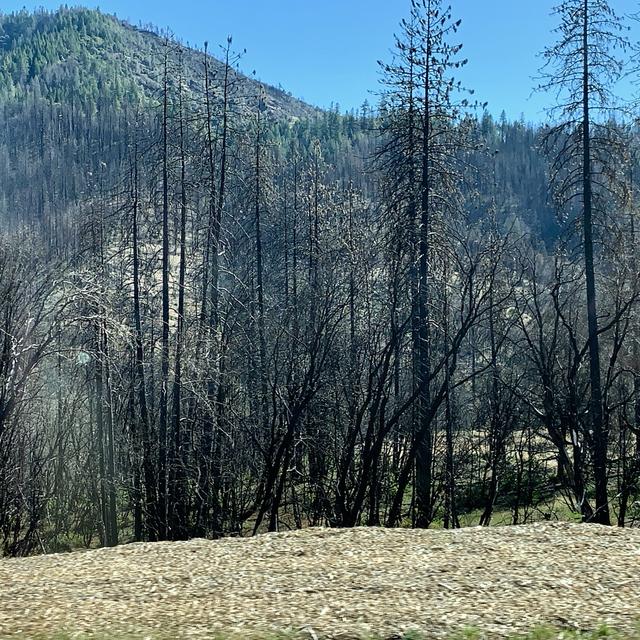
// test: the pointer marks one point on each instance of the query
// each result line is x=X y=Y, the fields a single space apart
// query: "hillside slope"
x=350 y=583
x=78 y=54
x=72 y=82
x=72 y=85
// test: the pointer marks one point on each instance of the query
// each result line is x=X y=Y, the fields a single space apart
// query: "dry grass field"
x=319 y=583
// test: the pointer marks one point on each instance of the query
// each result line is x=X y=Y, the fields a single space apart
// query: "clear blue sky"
x=326 y=50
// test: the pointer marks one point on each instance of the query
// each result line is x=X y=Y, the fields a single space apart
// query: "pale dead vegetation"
x=350 y=583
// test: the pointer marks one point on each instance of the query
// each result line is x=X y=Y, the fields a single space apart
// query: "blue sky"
x=326 y=50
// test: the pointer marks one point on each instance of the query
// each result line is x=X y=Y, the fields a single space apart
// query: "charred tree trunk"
x=600 y=430
x=164 y=379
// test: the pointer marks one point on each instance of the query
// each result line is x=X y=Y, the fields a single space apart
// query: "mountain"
x=72 y=81
x=80 y=54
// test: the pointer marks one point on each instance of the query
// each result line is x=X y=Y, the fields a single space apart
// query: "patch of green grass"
x=554 y=510
x=542 y=633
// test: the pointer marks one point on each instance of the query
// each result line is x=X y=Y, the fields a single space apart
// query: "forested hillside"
x=225 y=311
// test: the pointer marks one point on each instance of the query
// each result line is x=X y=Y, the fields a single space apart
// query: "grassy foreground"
x=514 y=583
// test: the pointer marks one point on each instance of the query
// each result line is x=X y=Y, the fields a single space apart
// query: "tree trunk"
x=424 y=455
x=600 y=431
x=143 y=434
x=164 y=380
x=178 y=490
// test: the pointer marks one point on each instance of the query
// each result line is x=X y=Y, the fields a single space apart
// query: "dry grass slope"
x=358 y=583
